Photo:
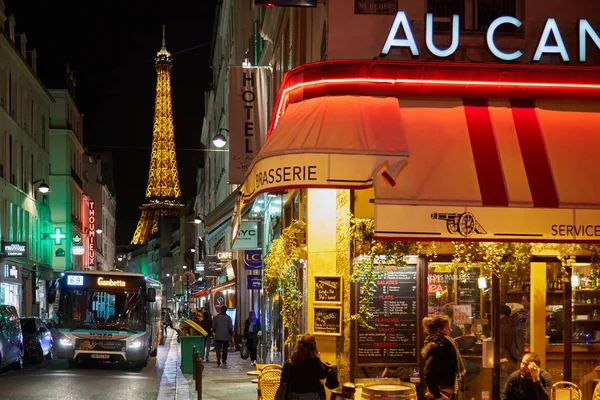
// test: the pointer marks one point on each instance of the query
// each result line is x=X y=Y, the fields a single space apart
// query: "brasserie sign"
x=550 y=39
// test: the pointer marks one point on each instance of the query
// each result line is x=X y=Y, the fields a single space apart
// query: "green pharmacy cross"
x=58 y=236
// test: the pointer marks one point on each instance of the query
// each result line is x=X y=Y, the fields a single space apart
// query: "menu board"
x=468 y=289
x=328 y=289
x=394 y=309
x=328 y=321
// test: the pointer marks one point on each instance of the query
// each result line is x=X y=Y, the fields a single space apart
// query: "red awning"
x=486 y=152
x=201 y=293
x=222 y=286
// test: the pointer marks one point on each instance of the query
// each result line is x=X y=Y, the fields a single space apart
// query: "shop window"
x=475 y=15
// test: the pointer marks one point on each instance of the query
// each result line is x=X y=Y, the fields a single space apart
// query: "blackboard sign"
x=328 y=321
x=468 y=289
x=394 y=308
x=328 y=289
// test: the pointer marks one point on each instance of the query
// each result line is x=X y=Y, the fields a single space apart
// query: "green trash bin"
x=187 y=347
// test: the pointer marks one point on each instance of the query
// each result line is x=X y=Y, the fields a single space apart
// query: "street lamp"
x=220 y=140
x=98 y=230
x=197 y=220
x=43 y=188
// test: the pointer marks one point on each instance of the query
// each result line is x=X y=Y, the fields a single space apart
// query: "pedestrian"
x=168 y=321
x=206 y=324
x=222 y=332
x=530 y=382
x=443 y=364
x=305 y=370
x=508 y=364
x=252 y=330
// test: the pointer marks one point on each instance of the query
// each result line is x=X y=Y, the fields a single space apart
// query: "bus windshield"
x=102 y=309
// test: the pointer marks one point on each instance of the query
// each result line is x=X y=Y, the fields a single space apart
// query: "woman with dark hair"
x=206 y=324
x=443 y=364
x=305 y=370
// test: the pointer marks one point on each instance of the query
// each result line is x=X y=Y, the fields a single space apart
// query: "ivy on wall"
x=281 y=275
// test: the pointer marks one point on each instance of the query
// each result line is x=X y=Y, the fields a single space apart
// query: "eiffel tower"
x=163 y=194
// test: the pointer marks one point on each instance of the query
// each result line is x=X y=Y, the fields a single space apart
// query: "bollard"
x=194 y=357
x=199 y=370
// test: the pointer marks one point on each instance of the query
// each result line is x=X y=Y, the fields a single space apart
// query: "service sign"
x=253 y=259
x=486 y=223
x=107 y=282
x=14 y=249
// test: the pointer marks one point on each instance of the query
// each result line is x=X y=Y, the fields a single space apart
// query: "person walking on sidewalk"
x=530 y=382
x=206 y=324
x=252 y=330
x=222 y=331
x=444 y=368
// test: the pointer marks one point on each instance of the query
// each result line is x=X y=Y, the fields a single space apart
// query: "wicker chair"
x=564 y=390
x=268 y=383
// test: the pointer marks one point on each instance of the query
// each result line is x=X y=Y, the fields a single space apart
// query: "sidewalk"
x=224 y=382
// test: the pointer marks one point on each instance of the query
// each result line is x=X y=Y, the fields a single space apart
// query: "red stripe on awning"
x=535 y=154
x=485 y=153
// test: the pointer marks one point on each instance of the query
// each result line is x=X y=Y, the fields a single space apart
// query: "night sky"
x=110 y=46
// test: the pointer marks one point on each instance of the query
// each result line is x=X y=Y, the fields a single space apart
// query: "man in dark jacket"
x=252 y=330
x=222 y=330
x=530 y=382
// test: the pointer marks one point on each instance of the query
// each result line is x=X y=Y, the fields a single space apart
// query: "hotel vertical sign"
x=92 y=234
x=247 y=118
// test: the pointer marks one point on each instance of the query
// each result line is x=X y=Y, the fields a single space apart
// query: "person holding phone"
x=530 y=382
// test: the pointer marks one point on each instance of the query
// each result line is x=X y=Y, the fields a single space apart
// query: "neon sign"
x=58 y=236
x=550 y=42
x=92 y=237
x=109 y=282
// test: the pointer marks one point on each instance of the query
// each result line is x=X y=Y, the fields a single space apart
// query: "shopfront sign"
x=14 y=249
x=247 y=117
x=550 y=42
x=11 y=271
x=375 y=6
x=92 y=234
x=254 y=282
x=248 y=236
x=77 y=250
x=225 y=255
x=487 y=223
x=253 y=260
x=110 y=282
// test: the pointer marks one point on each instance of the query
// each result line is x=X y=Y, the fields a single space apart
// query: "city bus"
x=106 y=316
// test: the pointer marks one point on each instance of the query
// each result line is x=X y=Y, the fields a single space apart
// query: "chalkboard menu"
x=328 y=321
x=328 y=289
x=467 y=288
x=394 y=308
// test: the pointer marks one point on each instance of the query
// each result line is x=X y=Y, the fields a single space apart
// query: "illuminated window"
x=475 y=15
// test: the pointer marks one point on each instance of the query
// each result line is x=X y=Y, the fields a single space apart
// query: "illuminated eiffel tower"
x=163 y=194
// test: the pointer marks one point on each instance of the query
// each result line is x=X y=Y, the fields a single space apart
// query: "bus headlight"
x=136 y=344
x=65 y=342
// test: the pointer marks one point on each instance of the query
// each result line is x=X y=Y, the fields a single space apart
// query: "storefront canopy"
x=453 y=151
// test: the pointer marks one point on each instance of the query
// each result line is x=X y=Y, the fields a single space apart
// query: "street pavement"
x=98 y=381
x=224 y=382
x=162 y=379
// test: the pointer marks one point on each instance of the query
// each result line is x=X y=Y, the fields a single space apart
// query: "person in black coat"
x=252 y=330
x=443 y=364
x=530 y=382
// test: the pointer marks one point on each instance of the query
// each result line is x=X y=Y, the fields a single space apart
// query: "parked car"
x=11 y=338
x=37 y=339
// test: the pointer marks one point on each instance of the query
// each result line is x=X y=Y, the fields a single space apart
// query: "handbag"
x=245 y=353
x=283 y=391
x=331 y=381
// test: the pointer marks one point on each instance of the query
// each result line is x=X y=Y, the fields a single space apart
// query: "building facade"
x=428 y=58
x=69 y=206
x=97 y=172
x=25 y=220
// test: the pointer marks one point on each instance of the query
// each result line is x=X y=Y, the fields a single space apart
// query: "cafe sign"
x=14 y=249
x=550 y=42
x=487 y=223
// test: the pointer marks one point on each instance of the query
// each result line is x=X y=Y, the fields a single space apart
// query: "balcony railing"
x=475 y=15
x=76 y=178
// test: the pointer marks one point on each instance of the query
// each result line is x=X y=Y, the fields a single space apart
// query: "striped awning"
x=453 y=151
